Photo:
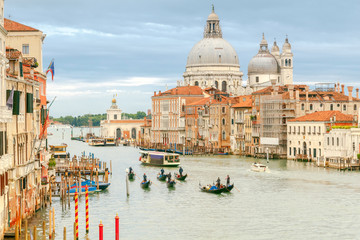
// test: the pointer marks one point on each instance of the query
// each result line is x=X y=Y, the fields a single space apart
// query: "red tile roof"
x=244 y=102
x=12 y=53
x=185 y=90
x=324 y=116
x=12 y=26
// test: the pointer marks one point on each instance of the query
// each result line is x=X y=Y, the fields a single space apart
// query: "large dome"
x=263 y=63
x=212 y=51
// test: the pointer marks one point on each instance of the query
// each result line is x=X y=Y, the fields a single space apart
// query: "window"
x=337 y=141
x=223 y=135
x=302 y=106
x=223 y=86
x=196 y=83
x=319 y=152
x=338 y=105
x=294 y=151
x=311 y=107
x=332 y=140
x=314 y=155
x=355 y=107
x=328 y=141
x=216 y=84
x=115 y=116
x=232 y=121
x=25 y=49
x=289 y=62
x=314 y=129
x=223 y=121
x=344 y=107
x=257 y=79
x=289 y=151
x=286 y=62
x=223 y=110
x=331 y=107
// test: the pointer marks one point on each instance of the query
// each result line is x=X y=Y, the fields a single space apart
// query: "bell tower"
x=286 y=63
x=212 y=28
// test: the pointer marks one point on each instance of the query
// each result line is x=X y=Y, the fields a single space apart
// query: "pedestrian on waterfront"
x=181 y=171
x=162 y=171
x=227 y=180
x=218 y=182
x=145 y=177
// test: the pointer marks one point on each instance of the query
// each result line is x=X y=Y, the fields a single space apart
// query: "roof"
x=244 y=102
x=12 y=53
x=184 y=90
x=324 y=116
x=202 y=101
x=12 y=26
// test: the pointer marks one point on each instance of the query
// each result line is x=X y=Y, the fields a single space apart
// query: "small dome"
x=114 y=100
x=287 y=46
x=212 y=51
x=213 y=16
x=263 y=63
x=275 y=48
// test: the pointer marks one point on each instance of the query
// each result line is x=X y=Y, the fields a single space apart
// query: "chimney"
x=307 y=93
x=338 y=87
x=154 y=93
x=291 y=91
x=342 y=88
x=357 y=93
x=350 y=89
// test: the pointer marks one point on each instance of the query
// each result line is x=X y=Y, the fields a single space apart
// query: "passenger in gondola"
x=169 y=177
x=227 y=180
x=181 y=171
x=218 y=183
x=162 y=171
x=145 y=177
x=130 y=169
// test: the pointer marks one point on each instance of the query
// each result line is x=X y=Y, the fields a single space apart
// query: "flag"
x=51 y=69
x=10 y=101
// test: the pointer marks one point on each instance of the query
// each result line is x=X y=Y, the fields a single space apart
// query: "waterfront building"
x=266 y=66
x=168 y=115
x=240 y=137
x=122 y=129
x=145 y=133
x=305 y=135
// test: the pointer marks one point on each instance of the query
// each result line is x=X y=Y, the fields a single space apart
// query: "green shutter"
x=16 y=103
x=42 y=116
x=29 y=102
x=21 y=69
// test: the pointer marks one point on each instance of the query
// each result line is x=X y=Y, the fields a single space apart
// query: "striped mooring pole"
x=76 y=216
x=87 y=208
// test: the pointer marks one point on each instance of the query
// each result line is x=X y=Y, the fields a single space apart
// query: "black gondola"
x=181 y=178
x=146 y=184
x=212 y=189
x=228 y=188
x=170 y=183
x=161 y=177
x=131 y=176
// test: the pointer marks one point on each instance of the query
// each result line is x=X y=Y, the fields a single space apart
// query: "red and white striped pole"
x=101 y=231
x=117 y=236
x=76 y=216
x=87 y=208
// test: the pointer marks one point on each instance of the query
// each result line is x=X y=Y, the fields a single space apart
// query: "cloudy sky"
x=133 y=48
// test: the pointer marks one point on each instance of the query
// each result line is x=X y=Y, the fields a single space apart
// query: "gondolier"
x=181 y=171
x=145 y=178
x=169 y=177
x=162 y=171
x=227 y=180
x=218 y=182
x=130 y=169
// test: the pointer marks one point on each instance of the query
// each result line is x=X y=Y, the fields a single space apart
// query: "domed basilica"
x=213 y=62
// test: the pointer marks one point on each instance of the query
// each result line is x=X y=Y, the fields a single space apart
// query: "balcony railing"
x=5 y=114
x=239 y=121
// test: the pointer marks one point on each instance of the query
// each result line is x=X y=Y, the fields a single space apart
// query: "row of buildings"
x=23 y=122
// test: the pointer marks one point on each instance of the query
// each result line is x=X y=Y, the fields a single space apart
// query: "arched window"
x=337 y=141
x=223 y=121
x=213 y=26
x=311 y=107
x=286 y=62
x=223 y=86
x=115 y=116
x=331 y=107
x=196 y=83
x=257 y=79
x=289 y=62
x=344 y=107
x=223 y=135
x=118 y=133
x=216 y=84
x=219 y=58
x=133 y=133
x=355 y=107
x=302 y=106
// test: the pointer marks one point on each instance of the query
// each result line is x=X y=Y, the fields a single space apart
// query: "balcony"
x=25 y=169
x=5 y=114
x=240 y=136
x=239 y=121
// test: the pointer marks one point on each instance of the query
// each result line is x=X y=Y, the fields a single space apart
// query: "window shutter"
x=21 y=69
x=16 y=103
x=2 y=147
x=29 y=102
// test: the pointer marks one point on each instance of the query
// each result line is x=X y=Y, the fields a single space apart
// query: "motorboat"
x=258 y=167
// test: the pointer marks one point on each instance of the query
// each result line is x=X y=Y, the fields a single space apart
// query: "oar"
x=236 y=188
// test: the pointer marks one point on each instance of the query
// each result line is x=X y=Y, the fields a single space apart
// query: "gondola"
x=180 y=178
x=228 y=188
x=131 y=176
x=146 y=184
x=212 y=189
x=170 y=183
x=161 y=177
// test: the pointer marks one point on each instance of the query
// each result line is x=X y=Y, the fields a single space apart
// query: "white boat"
x=97 y=142
x=110 y=142
x=59 y=151
x=163 y=159
x=258 y=167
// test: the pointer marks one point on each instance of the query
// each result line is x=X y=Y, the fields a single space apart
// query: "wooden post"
x=26 y=229
x=50 y=192
x=53 y=222
x=97 y=179
x=16 y=231
x=34 y=233
x=64 y=233
x=44 y=233
x=50 y=227
x=111 y=167
x=106 y=175
x=74 y=230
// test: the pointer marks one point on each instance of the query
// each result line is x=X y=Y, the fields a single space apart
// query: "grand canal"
x=293 y=201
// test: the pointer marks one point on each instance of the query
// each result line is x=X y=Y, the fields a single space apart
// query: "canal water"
x=294 y=201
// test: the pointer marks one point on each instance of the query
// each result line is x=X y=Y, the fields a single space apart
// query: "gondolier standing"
x=181 y=171
x=162 y=171
x=227 y=180
x=145 y=178
x=130 y=169
x=218 y=183
x=169 y=177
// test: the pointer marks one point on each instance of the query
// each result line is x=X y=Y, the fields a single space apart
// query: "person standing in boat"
x=145 y=177
x=227 y=180
x=130 y=169
x=162 y=171
x=181 y=171
x=169 y=177
x=218 y=183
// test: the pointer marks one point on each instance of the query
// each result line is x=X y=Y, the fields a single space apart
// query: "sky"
x=133 y=48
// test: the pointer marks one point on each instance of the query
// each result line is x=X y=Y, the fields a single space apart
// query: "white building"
x=342 y=143
x=305 y=135
x=266 y=66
